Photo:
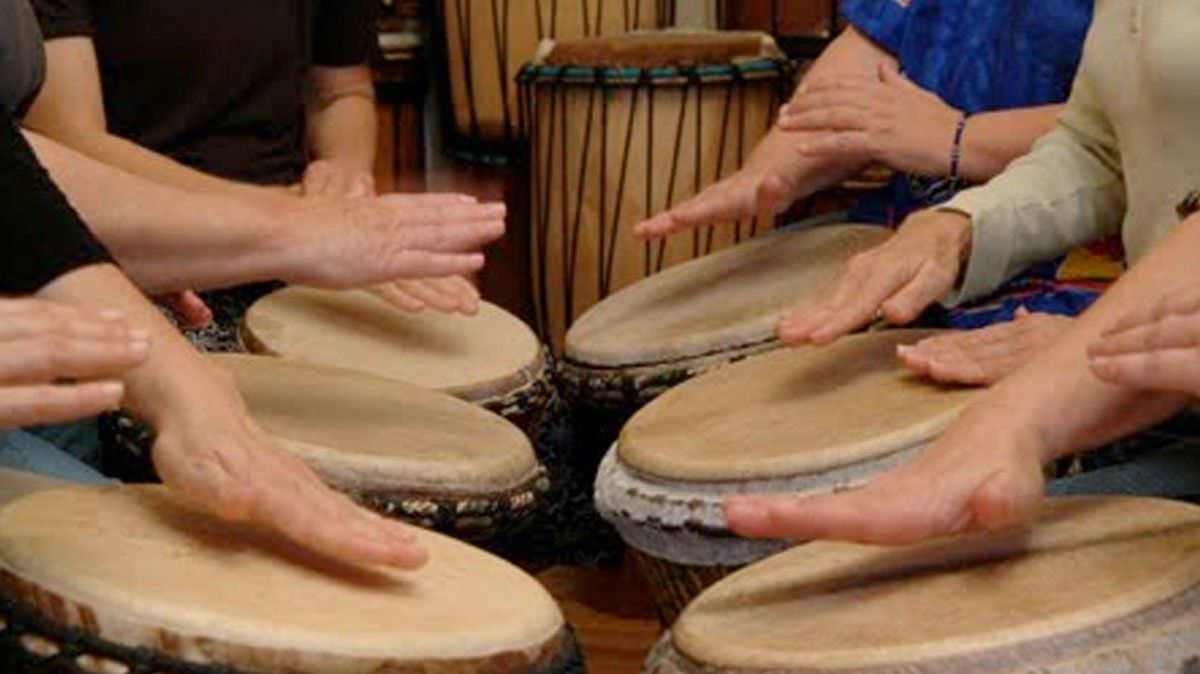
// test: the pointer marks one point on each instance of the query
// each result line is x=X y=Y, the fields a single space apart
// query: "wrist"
x=950 y=228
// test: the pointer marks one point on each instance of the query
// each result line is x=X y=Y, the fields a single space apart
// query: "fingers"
x=190 y=308
x=31 y=318
x=447 y=238
x=1173 y=331
x=430 y=199
x=23 y=406
x=49 y=358
x=742 y=195
x=846 y=144
x=1182 y=302
x=410 y=263
x=394 y=295
x=847 y=305
x=440 y=294
x=1176 y=369
x=930 y=284
x=438 y=212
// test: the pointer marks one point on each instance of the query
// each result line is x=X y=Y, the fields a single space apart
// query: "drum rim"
x=758 y=68
x=479 y=392
x=17 y=615
x=87 y=605
x=1173 y=598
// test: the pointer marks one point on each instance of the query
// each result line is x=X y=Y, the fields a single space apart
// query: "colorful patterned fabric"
x=982 y=55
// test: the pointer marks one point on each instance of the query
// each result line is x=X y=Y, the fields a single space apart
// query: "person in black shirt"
x=262 y=100
x=207 y=448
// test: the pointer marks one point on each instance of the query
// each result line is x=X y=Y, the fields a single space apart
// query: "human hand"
x=987 y=355
x=352 y=244
x=209 y=450
x=1157 y=348
x=982 y=474
x=190 y=308
x=449 y=294
x=887 y=119
x=331 y=180
x=897 y=280
x=59 y=363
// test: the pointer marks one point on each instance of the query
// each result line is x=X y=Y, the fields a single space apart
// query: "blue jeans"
x=1172 y=472
x=67 y=452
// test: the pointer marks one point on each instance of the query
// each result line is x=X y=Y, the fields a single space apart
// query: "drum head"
x=471 y=357
x=363 y=432
x=135 y=567
x=723 y=301
x=791 y=412
x=17 y=483
x=1088 y=566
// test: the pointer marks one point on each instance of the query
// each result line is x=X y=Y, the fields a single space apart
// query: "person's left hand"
x=889 y=120
x=331 y=180
x=986 y=355
x=1157 y=348
x=190 y=308
x=984 y=473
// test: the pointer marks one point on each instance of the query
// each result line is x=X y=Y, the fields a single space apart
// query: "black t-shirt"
x=22 y=61
x=216 y=84
x=41 y=236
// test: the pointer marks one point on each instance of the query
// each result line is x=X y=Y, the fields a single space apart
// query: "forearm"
x=992 y=140
x=1056 y=395
x=344 y=132
x=851 y=55
x=162 y=381
x=168 y=239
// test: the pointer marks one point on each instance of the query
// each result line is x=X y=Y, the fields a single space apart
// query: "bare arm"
x=70 y=109
x=170 y=240
x=994 y=139
x=777 y=174
x=342 y=123
x=208 y=448
x=984 y=472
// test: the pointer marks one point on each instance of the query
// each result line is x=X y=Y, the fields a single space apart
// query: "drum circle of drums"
x=791 y=421
x=1096 y=586
x=491 y=359
x=128 y=579
x=621 y=128
x=485 y=44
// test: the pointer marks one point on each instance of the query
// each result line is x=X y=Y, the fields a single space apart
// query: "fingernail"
x=113 y=389
x=140 y=347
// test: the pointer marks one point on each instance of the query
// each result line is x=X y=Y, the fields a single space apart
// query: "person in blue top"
x=945 y=93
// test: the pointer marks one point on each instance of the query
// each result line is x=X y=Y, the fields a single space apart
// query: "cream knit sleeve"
x=1068 y=191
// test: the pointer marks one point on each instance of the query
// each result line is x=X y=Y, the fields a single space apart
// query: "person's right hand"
x=398 y=242
x=210 y=451
x=59 y=363
x=896 y=280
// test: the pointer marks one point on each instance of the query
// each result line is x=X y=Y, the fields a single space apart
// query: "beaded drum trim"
x=477 y=517
x=628 y=388
x=30 y=643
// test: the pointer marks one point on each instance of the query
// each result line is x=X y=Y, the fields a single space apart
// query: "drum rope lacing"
x=66 y=650
x=692 y=80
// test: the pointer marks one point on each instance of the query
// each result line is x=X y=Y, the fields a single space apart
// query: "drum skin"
x=1097 y=586
x=613 y=144
x=149 y=581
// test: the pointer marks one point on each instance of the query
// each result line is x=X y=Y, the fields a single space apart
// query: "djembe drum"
x=808 y=420
x=620 y=129
x=491 y=359
x=1096 y=586
x=404 y=451
x=487 y=42
x=699 y=315
x=130 y=580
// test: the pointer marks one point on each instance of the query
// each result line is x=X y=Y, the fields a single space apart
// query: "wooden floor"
x=611 y=613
